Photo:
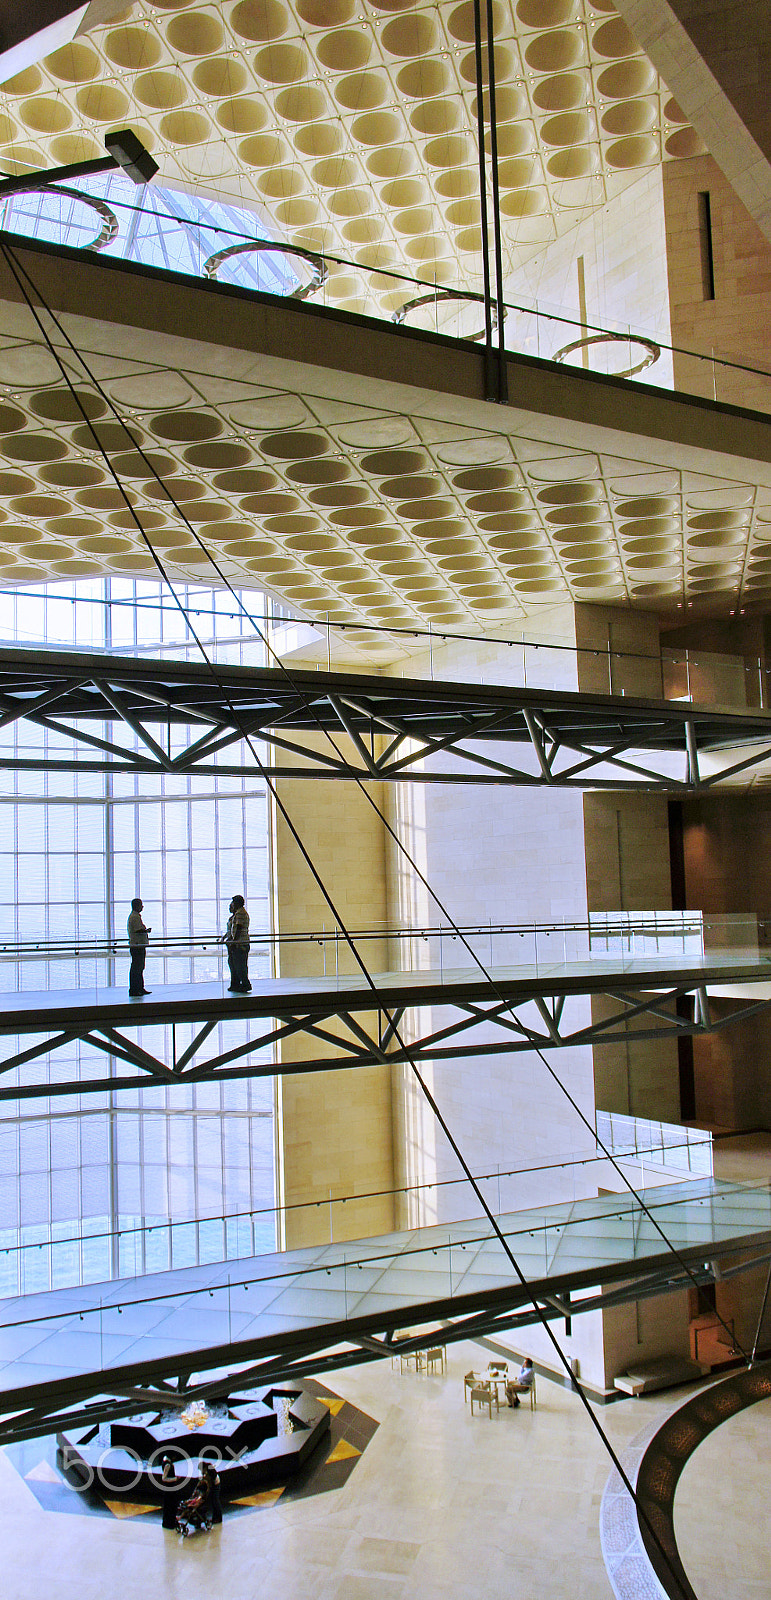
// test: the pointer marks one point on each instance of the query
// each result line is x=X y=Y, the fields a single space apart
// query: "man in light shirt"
x=138 y=942
x=522 y=1384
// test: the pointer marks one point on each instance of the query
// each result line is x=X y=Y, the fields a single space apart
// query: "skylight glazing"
x=156 y=226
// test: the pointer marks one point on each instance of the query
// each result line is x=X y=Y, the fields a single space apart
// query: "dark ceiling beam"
x=714 y=57
x=30 y=30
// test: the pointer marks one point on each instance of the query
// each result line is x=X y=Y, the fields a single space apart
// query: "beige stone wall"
x=644 y=1329
x=609 y=272
x=737 y=324
x=731 y=1077
x=727 y=872
x=627 y=869
x=733 y=42
x=727 y=842
x=335 y=1127
x=713 y=57
x=627 y=852
x=494 y=855
x=618 y=651
x=626 y=838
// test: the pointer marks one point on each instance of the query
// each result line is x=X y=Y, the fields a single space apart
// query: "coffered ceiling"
x=351 y=127
x=350 y=497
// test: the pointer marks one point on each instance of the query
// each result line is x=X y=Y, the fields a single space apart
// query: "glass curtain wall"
x=137 y=1181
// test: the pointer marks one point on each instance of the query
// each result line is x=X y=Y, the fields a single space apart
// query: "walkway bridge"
x=71 y=1356
x=500 y=1010
x=357 y=726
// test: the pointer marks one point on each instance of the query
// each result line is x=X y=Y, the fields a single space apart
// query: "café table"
x=498 y=1378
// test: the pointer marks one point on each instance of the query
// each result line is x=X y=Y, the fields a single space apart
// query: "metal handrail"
x=160 y=1225
x=667 y=923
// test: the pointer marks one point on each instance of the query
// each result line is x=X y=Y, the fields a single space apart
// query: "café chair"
x=484 y=1394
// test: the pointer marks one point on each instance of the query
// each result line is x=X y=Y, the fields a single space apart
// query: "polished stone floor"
x=441 y=1506
x=727 y=1553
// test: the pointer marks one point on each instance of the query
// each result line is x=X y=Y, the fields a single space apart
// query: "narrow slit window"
x=705 y=244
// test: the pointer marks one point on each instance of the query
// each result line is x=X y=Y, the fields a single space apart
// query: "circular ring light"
x=652 y=351
x=319 y=266
x=110 y=226
x=435 y=298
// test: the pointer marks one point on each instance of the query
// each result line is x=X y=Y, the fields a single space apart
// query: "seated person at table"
x=522 y=1384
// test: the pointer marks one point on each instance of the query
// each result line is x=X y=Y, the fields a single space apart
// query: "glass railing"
x=614 y=939
x=711 y=677
x=432 y=1265
x=96 y=965
x=665 y=1147
x=36 y=1258
x=220 y=245
x=504 y=657
x=735 y=680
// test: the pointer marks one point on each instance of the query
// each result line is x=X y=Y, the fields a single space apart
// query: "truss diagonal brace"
x=536 y=735
x=337 y=706
x=27 y=710
x=114 y=1043
x=132 y=762
x=134 y=722
x=180 y=1062
x=548 y=1019
x=702 y=1006
x=35 y=1050
x=394 y=1022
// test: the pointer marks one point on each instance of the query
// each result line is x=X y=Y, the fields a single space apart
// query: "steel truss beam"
x=95 y=1398
x=448 y=1017
x=383 y=729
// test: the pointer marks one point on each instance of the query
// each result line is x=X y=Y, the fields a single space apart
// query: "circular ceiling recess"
x=296 y=446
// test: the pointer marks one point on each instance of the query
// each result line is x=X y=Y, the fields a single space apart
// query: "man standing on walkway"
x=237 y=941
x=138 y=942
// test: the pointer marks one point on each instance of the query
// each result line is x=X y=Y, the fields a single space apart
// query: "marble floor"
x=727 y=1552
x=441 y=1506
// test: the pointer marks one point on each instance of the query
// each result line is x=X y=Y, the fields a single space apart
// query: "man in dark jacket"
x=237 y=942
